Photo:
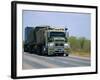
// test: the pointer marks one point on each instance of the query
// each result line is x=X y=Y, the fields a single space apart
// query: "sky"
x=78 y=24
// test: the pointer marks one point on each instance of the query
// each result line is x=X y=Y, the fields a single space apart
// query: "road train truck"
x=45 y=40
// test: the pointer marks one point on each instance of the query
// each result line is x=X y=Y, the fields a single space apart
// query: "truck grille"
x=59 y=51
x=59 y=44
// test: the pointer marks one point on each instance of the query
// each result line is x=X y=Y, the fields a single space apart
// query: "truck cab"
x=57 y=43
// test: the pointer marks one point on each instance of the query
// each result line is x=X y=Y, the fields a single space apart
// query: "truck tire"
x=65 y=54
x=44 y=51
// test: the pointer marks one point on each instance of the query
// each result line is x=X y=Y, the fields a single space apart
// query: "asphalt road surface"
x=33 y=61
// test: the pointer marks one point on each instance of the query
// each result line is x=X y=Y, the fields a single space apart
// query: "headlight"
x=51 y=44
x=66 y=45
x=50 y=47
x=66 y=48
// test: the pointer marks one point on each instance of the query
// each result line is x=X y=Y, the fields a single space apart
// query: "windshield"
x=57 y=34
x=60 y=40
x=51 y=35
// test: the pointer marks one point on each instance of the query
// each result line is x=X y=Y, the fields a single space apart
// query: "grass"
x=81 y=53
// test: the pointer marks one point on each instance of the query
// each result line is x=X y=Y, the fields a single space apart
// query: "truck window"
x=57 y=34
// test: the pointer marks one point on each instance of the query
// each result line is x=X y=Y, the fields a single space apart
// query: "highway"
x=33 y=61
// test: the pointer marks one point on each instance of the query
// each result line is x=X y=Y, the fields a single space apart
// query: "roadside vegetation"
x=80 y=46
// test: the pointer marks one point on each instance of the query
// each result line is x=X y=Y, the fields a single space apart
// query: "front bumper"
x=58 y=52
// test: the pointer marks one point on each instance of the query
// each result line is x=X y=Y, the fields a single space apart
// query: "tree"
x=73 y=43
x=87 y=45
x=79 y=44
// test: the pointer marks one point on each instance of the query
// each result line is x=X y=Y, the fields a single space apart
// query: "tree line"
x=79 y=44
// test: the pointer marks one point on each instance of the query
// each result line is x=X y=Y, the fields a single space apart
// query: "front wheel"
x=44 y=51
x=65 y=54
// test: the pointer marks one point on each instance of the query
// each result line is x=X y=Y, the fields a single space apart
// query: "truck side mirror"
x=67 y=34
